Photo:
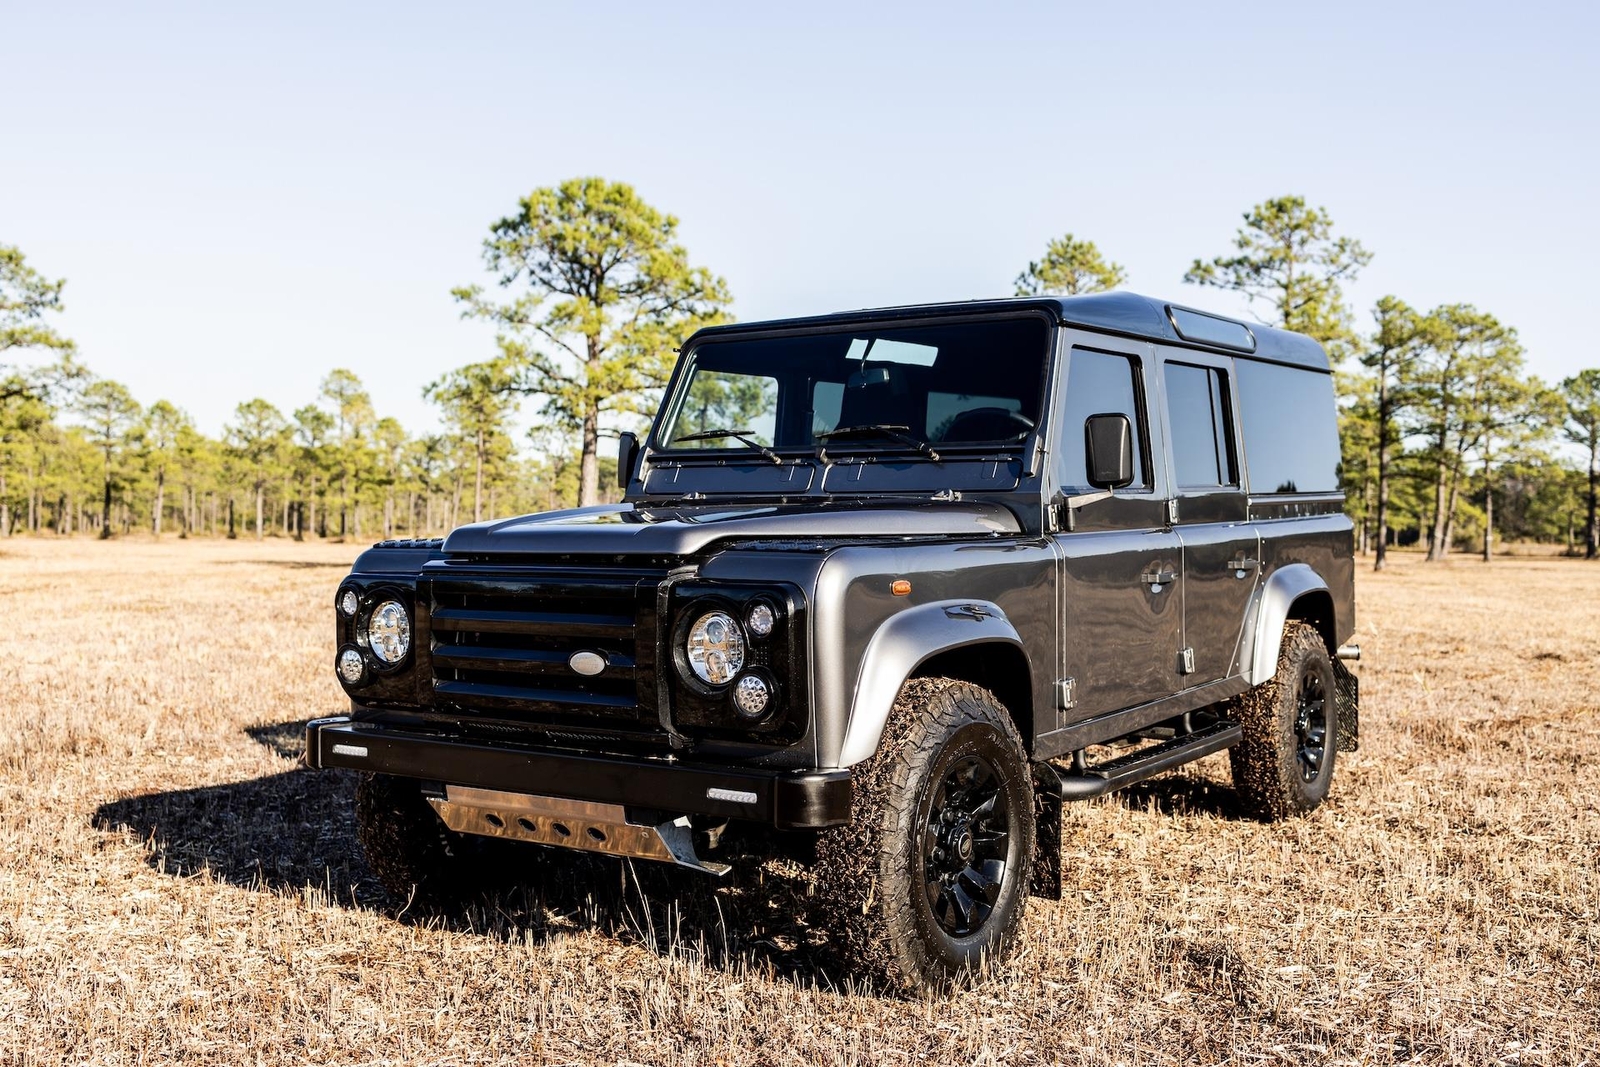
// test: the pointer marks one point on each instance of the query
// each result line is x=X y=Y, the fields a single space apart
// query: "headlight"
x=715 y=648
x=389 y=632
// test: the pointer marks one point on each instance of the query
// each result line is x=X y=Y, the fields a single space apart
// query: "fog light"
x=350 y=666
x=348 y=602
x=760 y=620
x=751 y=696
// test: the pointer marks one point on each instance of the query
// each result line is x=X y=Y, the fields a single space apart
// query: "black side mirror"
x=627 y=452
x=1110 y=451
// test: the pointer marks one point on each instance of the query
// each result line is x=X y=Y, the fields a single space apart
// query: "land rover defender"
x=898 y=582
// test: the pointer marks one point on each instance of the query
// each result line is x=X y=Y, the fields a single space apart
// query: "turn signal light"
x=901 y=587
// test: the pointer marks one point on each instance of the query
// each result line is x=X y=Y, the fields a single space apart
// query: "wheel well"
x=1316 y=608
x=998 y=667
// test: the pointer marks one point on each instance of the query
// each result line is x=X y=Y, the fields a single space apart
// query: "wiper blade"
x=901 y=434
x=744 y=437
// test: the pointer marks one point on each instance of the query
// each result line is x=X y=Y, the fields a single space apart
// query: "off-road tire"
x=871 y=876
x=1271 y=770
x=417 y=859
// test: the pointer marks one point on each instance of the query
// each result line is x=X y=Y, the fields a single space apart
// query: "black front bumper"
x=788 y=800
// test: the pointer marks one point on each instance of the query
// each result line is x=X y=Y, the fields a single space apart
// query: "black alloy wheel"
x=1283 y=765
x=966 y=837
x=1312 y=724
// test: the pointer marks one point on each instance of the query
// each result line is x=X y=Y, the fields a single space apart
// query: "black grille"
x=501 y=645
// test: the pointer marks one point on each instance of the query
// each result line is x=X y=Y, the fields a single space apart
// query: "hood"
x=622 y=529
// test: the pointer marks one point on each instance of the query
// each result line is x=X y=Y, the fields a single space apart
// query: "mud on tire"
x=1284 y=765
x=415 y=857
x=930 y=878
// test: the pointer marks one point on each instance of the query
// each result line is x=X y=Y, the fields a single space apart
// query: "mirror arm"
x=1070 y=505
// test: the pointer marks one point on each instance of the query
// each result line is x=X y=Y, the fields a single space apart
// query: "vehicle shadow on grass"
x=285 y=832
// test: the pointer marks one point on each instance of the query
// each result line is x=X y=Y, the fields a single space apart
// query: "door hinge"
x=1186 y=661
x=1172 y=511
x=1067 y=694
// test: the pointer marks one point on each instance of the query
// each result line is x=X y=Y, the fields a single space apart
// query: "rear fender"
x=1273 y=606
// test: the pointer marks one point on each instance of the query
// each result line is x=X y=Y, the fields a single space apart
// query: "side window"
x=1099 y=383
x=1202 y=441
x=1291 y=432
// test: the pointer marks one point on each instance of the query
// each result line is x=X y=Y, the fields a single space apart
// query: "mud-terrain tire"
x=1284 y=765
x=947 y=797
x=416 y=858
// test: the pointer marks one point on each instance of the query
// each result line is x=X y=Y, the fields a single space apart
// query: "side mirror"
x=627 y=452
x=1110 y=451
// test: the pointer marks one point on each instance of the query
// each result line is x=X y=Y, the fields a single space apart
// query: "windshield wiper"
x=901 y=434
x=742 y=436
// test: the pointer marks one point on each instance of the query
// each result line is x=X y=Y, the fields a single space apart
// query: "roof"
x=1126 y=314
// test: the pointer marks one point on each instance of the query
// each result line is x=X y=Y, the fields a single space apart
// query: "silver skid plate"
x=579 y=824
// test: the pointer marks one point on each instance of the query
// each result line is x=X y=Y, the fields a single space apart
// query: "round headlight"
x=751 y=696
x=715 y=648
x=389 y=632
x=349 y=603
x=760 y=620
x=350 y=666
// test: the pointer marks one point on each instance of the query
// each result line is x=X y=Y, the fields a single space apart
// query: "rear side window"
x=1202 y=453
x=1291 y=433
x=1099 y=383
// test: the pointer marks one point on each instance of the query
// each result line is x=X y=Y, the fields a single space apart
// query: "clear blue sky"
x=241 y=199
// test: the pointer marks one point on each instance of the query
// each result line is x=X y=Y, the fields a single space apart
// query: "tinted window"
x=1291 y=436
x=1196 y=410
x=1099 y=384
x=966 y=383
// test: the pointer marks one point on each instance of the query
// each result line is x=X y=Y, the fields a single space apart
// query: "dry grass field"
x=174 y=889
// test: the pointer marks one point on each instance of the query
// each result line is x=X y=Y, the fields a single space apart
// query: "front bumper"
x=788 y=800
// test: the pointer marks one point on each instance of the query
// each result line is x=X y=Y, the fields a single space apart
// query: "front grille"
x=501 y=643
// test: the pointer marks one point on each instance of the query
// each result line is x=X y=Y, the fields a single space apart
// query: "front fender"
x=1278 y=594
x=903 y=643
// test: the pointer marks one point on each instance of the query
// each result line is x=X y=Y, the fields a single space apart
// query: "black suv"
x=900 y=580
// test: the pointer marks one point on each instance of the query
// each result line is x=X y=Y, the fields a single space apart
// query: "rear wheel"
x=1284 y=764
x=930 y=878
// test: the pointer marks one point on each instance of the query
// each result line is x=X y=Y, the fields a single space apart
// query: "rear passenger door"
x=1221 y=551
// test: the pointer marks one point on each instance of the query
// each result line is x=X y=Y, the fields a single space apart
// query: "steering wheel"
x=987 y=424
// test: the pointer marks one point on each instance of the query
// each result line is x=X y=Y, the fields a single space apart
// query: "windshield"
x=948 y=385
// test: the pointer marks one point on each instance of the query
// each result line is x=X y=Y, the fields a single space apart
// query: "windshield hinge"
x=944 y=496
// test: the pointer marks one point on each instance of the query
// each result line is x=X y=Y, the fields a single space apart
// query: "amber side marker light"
x=901 y=587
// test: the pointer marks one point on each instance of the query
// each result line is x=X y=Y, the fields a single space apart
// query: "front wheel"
x=930 y=878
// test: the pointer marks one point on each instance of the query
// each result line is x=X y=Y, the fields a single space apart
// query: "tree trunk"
x=1436 y=549
x=589 y=460
x=477 y=490
x=161 y=501
x=105 y=505
x=1591 y=544
x=232 y=533
x=1488 y=513
x=1381 y=550
x=260 y=503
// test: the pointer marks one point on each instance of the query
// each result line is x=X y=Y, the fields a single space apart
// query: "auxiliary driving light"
x=349 y=603
x=760 y=620
x=350 y=666
x=751 y=696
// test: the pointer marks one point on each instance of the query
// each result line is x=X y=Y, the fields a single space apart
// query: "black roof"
x=1127 y=314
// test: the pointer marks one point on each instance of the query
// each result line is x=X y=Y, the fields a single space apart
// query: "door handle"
x=1244 y=565
x=1158 y=577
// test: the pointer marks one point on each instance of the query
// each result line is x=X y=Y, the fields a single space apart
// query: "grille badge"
x=587 y=663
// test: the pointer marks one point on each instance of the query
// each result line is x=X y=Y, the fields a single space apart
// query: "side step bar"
x=1102 y=778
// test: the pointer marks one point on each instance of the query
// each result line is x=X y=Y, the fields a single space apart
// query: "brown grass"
x=173 y=888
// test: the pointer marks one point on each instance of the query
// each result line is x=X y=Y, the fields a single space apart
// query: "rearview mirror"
x=627 y=451
x=1110 y=451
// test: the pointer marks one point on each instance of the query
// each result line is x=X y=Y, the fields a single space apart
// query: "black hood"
x=622 y=529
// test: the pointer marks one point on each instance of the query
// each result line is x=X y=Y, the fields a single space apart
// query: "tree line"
x=1447 y=441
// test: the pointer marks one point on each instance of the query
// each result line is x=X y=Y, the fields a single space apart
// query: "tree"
x=163 y=424
x=606 y=293
x=259 y=438
x=25 y=298
x=1070 y=267
x=352 y=416
x=477 y=400
x=1286 y=255
x=1388 y=356
x=312 y=429
x=1582 y=426
x=110 y=413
